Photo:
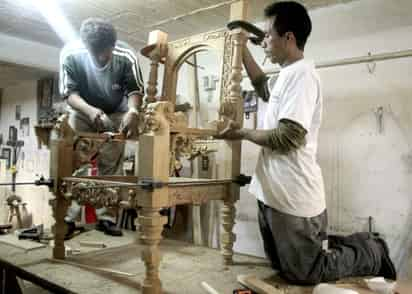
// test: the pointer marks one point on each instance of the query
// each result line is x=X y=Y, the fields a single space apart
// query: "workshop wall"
x=365 y=140
x=32 y=162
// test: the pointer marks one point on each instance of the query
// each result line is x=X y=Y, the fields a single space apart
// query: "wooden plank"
x=194 y=92
x=196 y=195
x=126 y=179
x=61 y=165
x=239 y=10
x=194 y=132
x=209 y=289
x=104 y=136
x=257 y=285
x=26 y=245
x=173 y=182
x=93 y=268
x=120 y=182
x=92 y=244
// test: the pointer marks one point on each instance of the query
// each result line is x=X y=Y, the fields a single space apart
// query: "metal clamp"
x=43 y=182
x=149 y=184
x=40 y=182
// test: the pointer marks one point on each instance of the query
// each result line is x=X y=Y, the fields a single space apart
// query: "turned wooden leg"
x=151 y=224
x=60 y=205
x=228 y=237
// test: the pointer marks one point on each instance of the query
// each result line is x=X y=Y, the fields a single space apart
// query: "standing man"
x=288 y=182
x=102 y=83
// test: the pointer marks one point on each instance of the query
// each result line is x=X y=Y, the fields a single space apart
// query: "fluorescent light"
x=56 y=19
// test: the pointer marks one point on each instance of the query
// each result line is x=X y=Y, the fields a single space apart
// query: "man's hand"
x=130 y=125
x=231 y=132
x=97 y=117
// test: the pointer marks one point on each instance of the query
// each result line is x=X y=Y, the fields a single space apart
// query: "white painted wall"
x=28 y=53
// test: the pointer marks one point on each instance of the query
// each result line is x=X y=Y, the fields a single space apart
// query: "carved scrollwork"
x=227 y=64
x=213 y=35
x=62 y=128
x=198 y=195
x=178 y=120
x=157 y=117
x=227 y=114
x=160 y=116
x=181 y=43
x=186 y=146
x=94 y=194
x=85 y=149
x=132 y=198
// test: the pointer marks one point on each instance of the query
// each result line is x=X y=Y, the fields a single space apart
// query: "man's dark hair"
x=97 y=34
x=291 y=17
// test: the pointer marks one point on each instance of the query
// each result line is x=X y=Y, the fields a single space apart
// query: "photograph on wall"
x=47 y=97
x=46 y=93
x=18 y=112
x=1 y=99
x=25 y=126
x=6 y=154
x=12 y=133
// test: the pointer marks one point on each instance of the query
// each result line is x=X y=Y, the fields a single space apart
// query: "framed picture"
x=12 y=133
x=47 y=94
x=6 y=154
x=1 y=99
x=18 y=112
x=25 y=126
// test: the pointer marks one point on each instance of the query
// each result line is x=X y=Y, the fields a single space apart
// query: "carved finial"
x=158 y=116
x=62 y=128
x=156 y=51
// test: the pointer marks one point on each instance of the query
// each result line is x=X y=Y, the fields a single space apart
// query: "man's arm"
x=94 y=114
x=287 y=137
x=133 y=83
x=256 y=75
x=78 y=104
x=135 y=102
x=69 y=90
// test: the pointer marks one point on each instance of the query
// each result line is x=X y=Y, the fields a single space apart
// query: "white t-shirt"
x=293 y=183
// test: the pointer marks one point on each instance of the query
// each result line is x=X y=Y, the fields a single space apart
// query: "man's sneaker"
x=71 y=228
x=109 y=228
x=387 y=270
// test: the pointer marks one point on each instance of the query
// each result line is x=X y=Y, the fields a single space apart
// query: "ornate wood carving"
x=95 y=194
x=156 y=51
x=227 y=63
x=157 y=117
x=231 y=108
x=151 y=224
x=227 y=236
x=62 y=128
x=196 y=195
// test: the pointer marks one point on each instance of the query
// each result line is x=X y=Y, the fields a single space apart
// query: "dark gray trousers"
x=294 y=247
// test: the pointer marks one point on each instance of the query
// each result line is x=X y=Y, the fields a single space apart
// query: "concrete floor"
x=182 y=269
